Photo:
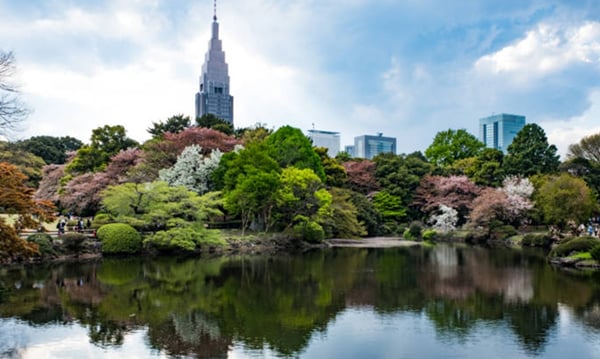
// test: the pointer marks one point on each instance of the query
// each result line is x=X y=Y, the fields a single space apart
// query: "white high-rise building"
x=327 y=139
x=214 y=97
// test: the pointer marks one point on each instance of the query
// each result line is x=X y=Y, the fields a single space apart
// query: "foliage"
x=389 y=206
x=450 y=146
x=585 y=169
x=119 y=238
x=13 y=247
x=12 y=111
x=182 y=239
x=105 y=142
x=157 y=206
x=53 y=150
x=564 y=198
x=335 y=173
x=361 y=176
x=595 y=252
x=289 y=147
x=415 y=229
x=44 y=243
x=485 y=169
x=501 y=231
x=73 y=242
x=429 y=234
x=192 y=170
x=211 y=121
x=537 y=240
x=444 y=219
x=342 y=221
x=530 y=154
x=574 y=244
x=307 y=230
x=173 y=124
x=366 y=214
x=257 y=133
x=162 y=152
x=456 y=192
x=588 y=148
x=28 y=163
x=400 y=175
x=101 y=219
x=301 y=193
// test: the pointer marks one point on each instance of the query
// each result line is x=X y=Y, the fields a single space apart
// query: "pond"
x=431 y=302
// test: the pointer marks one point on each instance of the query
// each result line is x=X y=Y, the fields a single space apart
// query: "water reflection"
x=287 y=305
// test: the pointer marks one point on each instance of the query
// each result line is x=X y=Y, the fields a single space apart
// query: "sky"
x=405 y=68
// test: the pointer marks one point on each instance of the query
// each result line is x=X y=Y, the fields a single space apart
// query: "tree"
x=335 y=174
x=530 y=154
x=290 y=147
x=585 y=169
x=444 y=219
x=174 y=124
x=588 y=148
x=155 y=206
x=485 y=169
x=105 y=142
x=449 y=146
x=564 y=198
x=456 y=192
x=12 y=111
x=361 y=176
x=211 y=121
x=17 y=198
x=28 y=163
x=343 y=219
x=53 y=150
x=192 y=170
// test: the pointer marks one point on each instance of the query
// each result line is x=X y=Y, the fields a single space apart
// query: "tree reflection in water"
x=203 y=307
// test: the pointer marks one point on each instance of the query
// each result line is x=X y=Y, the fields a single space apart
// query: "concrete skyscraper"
x=214 y=97
x=498 y=131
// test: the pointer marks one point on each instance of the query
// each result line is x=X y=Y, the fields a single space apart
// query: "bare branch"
x=12 y=111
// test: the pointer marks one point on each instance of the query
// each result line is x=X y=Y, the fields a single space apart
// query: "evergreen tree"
x=530 y=153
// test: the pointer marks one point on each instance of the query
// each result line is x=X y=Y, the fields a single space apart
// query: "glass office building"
x=367 y=146
x=498 y=131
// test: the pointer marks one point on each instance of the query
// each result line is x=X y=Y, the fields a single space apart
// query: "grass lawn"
x=11 y=218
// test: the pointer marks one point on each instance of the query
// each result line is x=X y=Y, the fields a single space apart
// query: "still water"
x=439 y=302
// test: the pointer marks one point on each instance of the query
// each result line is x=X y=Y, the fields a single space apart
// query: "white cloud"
x=544 y=50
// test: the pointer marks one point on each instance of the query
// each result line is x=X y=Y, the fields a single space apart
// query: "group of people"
x=80 y=226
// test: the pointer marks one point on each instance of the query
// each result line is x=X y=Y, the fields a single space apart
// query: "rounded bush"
x=415 y=229
x=119 y=238
x=73 y=242
x=429 y=234
x=574 y=244
x=537 y=240
x=309 y=231
x=100 y=220
x=44 y=242
x=595 y=252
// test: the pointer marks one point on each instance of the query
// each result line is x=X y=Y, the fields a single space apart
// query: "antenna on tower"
x=215 y=10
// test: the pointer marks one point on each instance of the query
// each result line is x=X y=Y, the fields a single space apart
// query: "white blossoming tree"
x=444 y=219
x=192 y=170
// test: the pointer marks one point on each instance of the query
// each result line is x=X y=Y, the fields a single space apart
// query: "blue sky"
x=406 y=68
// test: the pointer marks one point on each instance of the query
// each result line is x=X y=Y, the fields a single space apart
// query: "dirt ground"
x=373 y=242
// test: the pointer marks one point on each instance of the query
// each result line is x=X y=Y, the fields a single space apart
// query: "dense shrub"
x=73 y=242
x=595 y=252
x=44 y=242
x=309 y=231
x=537 y=240
x=429 y=234
x=502 y=232
x=415 y=229
x=119 y=238
x=574 y=244
x=182 y=240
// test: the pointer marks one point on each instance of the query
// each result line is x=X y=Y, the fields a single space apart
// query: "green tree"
x=173 y=124
x=335 y=173
x=530 y=154
x=485 y=169
x=585 y=169
x=343 y=219
x=450 y=145
x=53 y=150
x=290 y=147
x=301 y=193
x=28 y=163
x=157 y=206
x=391 y=207
x=211 y=121
x=105 y=142
x=564 y=198
x=588 y=148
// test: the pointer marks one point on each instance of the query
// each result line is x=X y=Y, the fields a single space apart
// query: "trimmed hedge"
x=595 y=252
x=309 y=231
x=574 y=244
x=182 y=240
x=537 y=240
x=119 y=238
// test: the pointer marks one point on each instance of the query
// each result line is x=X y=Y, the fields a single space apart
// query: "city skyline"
x=407 y=69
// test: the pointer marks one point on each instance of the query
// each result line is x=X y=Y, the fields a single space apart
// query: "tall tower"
x=214 y=96
x=498 y=131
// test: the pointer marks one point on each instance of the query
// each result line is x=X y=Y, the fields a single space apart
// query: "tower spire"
x=215 y=10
